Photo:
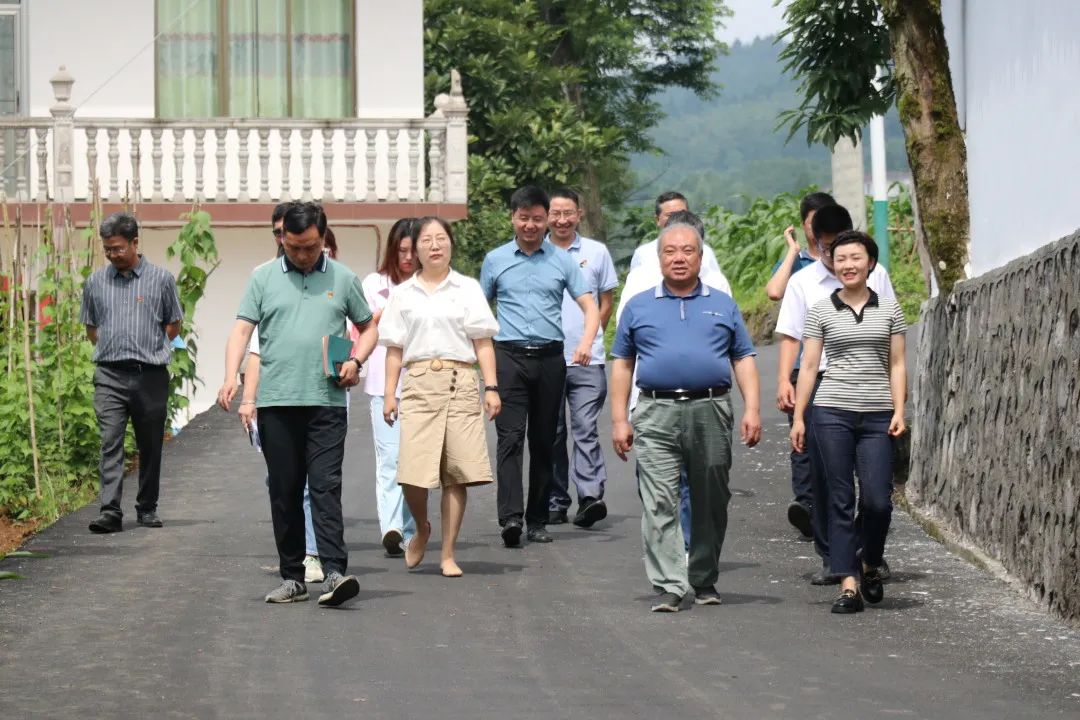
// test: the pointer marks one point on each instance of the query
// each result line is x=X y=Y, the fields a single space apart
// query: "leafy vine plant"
x=198 y=255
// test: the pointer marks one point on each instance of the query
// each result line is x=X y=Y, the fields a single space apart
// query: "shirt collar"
x=822 y=271
x=454 y=278
x=518 y=251
x=840 y=304
x=575 y=244
x=320 y=265
x=136 y=271
x=701 y=289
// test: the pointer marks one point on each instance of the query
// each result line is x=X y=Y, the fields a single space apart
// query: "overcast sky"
x=752 y=18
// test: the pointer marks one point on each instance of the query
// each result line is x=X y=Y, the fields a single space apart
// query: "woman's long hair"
x=403 y=228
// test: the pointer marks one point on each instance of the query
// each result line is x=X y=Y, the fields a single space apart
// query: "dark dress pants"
x=141 y=393
x=802 y=487
x=305 y=445
x=531 y=388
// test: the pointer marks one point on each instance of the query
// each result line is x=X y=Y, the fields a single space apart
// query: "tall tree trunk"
x=935 y=143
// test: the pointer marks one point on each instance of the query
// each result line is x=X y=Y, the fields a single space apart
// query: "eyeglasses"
x=279 y=232
x=119 y=250
x=429 y=241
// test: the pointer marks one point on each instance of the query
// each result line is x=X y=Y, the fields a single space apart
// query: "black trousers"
x=305 y=445
x=140 y=393
x=531 y=388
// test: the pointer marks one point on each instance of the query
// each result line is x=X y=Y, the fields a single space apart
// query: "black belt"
x=555 y=347
x=131 y=366
x=685 y=394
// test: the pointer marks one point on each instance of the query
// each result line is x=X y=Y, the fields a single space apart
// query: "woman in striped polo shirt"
x=858 y=406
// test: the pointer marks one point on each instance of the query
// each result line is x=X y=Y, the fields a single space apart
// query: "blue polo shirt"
x=682 y=343
x=529 y=290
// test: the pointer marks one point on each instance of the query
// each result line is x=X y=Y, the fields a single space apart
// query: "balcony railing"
x=63 y=157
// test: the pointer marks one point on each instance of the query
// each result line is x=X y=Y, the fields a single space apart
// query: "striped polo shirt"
x=857 y=344
x=130 y=313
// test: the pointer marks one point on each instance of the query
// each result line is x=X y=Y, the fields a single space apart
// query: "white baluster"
x=369 y=142
x=114 y=163
x=3 y=163
x=22 y=183
x=243 y=135
x=437 y=168
x=91 y=158
x=305 y=161
x=350 y=161
x=219 y=159
x=286 y=163
x=178 y=164
x=200 y=159
x=328 y=164
x=43 y=164
x=155 y=156
x=135 y=135
x=414 y=161
x=391 y=188
x=264 y=164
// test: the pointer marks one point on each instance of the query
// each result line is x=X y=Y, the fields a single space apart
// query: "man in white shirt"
x=646 y=254
x=645 y=277
x=805 y=288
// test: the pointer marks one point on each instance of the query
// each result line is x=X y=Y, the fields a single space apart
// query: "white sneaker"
x=313 y=572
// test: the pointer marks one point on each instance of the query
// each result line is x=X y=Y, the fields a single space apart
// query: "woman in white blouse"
x=396 y=523
x=439 y=325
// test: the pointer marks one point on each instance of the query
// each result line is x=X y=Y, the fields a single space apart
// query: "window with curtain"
x=255 y=58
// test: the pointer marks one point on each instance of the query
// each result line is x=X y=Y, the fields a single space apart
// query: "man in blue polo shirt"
x=527 y=277
x=682 y=335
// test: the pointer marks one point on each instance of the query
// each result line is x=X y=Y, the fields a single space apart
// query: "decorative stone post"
x=456 y=112
x=63 y=136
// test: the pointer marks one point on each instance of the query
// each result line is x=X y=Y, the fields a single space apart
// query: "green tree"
x=836 y=49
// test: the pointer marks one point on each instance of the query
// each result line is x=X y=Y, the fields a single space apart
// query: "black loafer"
x=538 y=535
x=590 y=512
x=106 y=523
x=848 y=602
x=872 y=589
x=149 y=519
x=799 y=517
x=557 y=517
x=511 y=533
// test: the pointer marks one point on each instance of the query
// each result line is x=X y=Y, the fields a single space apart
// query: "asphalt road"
x=170 y=623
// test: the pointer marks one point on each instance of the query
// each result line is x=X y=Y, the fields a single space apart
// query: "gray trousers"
x=586 y=390
x=141 y=393
x=695 y=434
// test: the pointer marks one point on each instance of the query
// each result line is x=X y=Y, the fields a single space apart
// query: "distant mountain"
x=718 y=149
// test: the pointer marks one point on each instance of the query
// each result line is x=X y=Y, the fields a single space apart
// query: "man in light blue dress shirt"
x=527 y=278
x=586 y=385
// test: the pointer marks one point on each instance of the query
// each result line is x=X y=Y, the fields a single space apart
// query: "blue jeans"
x=393 y=512
x=847 y=442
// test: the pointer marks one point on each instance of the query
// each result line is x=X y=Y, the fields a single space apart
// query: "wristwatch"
x=358 y=363
x=491 y=388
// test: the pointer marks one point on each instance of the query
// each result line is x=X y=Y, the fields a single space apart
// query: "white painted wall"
x=1018 y=68
x=390 y=58
x=93 y=39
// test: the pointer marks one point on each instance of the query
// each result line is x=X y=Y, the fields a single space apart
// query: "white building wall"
x=390 y=58
x=1018 y=66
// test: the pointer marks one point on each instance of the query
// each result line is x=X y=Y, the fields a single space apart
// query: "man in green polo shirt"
x=294 y=301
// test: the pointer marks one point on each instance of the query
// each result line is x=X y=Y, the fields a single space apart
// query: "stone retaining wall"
x=996 y=449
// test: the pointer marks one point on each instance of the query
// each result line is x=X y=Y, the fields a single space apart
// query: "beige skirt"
x=442 y=426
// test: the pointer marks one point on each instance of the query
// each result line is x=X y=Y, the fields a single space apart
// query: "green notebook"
x=335 y=351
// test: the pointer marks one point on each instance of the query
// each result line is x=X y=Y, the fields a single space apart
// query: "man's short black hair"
x=566 y=194
x=814 y=201
x=856 y=237
x=279 y=211
x=122 y=224
x=668 y=197
x=529 y=196
x=831 y=220
x=687 y=218
x=303 y=215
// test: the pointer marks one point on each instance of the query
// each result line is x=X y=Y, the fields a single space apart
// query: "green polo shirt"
x=293 y=311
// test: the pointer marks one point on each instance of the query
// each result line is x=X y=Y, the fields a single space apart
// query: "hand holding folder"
x=335 y=351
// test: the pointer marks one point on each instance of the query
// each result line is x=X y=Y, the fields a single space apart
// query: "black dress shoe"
x=590 y=512
x=149 y=519
x=872 y=589
x=511 y=533
x=823 y=578
x=848 y=602
x=799 y=516
x=557 y=517
x=538 y=535
x=106 y=523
